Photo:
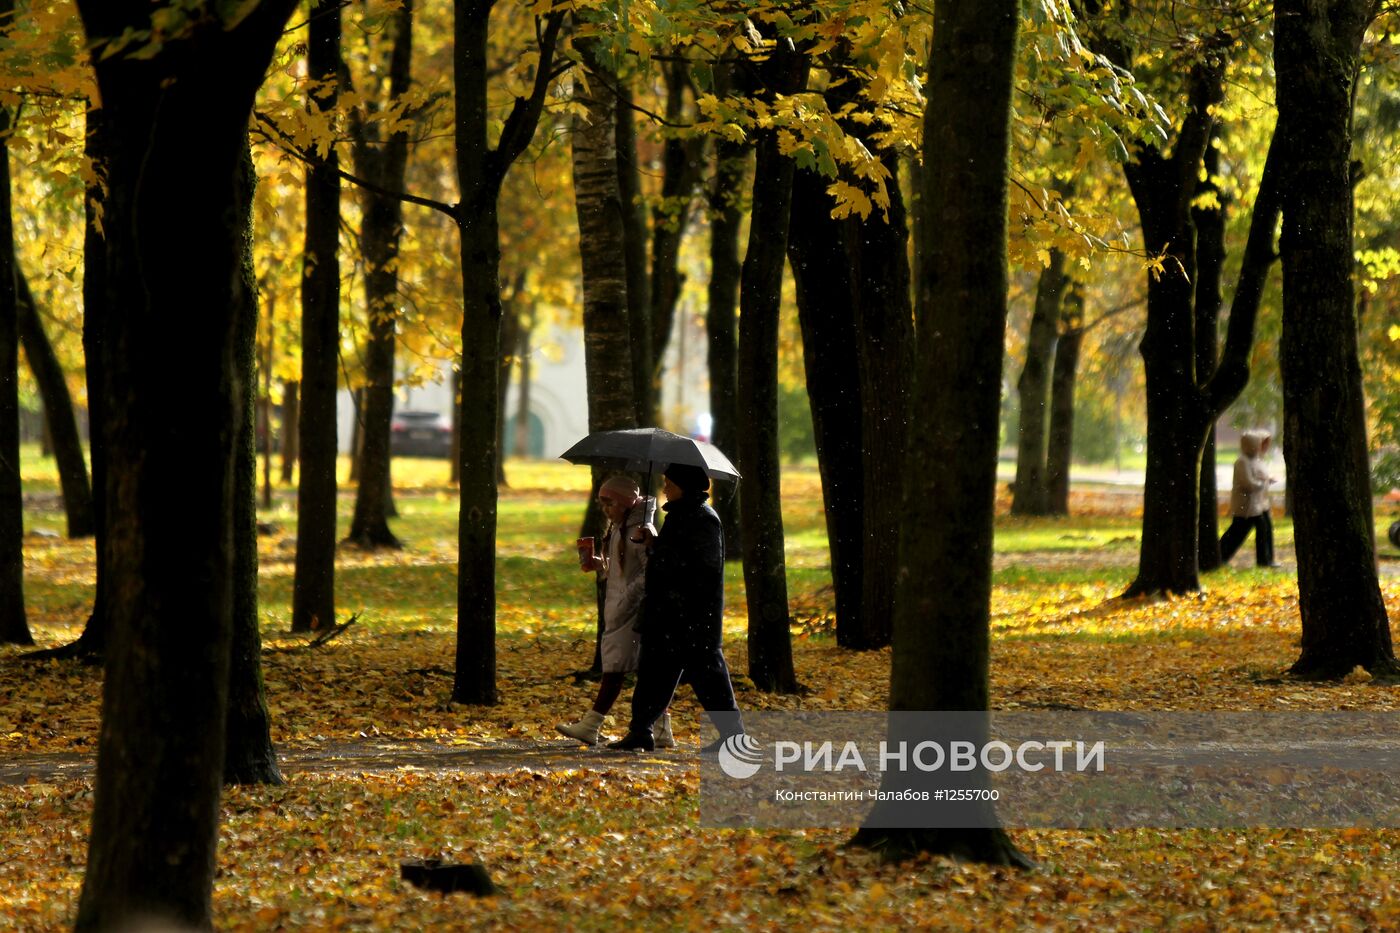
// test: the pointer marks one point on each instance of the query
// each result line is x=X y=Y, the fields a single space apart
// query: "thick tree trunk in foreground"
x=760 y=296
x=479 y=230
x=1030 y=492
x=942 y=621
x=178 y=124
x=720 y=326
x=480 y=173
x=58 y=412
x=1316 y=55
x=14 y=627
x=885 y=328
x=384 y=163
x=313 y=587
x=249 y=757
x=824 y=264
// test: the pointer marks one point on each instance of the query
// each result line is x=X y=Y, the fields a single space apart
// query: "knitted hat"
x=691 y=479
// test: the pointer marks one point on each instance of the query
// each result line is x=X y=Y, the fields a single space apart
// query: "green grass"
x=538 y=517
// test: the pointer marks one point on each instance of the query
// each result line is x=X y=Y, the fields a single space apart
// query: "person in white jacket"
x=622 y=563
x=1249 y=501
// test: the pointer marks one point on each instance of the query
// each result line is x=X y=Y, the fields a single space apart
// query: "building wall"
x=559 y=392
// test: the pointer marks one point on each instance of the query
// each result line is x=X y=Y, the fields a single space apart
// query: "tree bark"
x=249 y=757
x=720 y=325
x=634 y=230
x=479 y=230
x=942 y=620
x=382 y=162
x=1316 y=55
x=1060 y=448
x=885 y=328
x=291 y=428
x=14 y=626
x=58 y=410
x=177 y=124
x=1210 y=267
x=522 y=412
x=760 y=296
x=824 y=264
x=607 y=312
x=480 y=173
x=1030 y=492
x=510 y=345
x=313 y=585
x=681 y=162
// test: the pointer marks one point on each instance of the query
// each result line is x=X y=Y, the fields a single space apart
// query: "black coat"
x=684 y=607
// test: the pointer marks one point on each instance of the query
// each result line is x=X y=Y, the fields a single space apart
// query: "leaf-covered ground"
x=590 y=839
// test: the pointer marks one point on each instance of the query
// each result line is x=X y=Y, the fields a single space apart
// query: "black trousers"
x=1263 y=528
x=659 y=672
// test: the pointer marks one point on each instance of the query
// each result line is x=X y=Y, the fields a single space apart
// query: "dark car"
x=420 y=434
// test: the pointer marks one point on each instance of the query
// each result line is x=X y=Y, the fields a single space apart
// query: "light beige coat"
x=1249 y=496
x=625 y=569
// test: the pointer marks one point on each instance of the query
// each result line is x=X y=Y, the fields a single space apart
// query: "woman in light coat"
x=1249 y=502
x=622 y=564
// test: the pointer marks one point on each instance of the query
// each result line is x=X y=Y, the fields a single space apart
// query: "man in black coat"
x=683 y=612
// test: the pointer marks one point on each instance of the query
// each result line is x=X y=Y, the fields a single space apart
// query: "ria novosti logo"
x=740 y=756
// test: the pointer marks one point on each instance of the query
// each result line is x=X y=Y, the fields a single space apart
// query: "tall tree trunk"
x=607 y=311
x=382 y=162
x=480 y=173
x=522 y=412
x=720 y=318
x=510 y=340
x=454 y=473
x=885 y=327
x=943 y=606
x=92 y=643
x=265 y=406
x=14 y=626
x=249 y=757
x=681 y=162
x=177 y=125
x=1210 y=262
x=1316 y=56
x=634 y=235
x=760 y=296
x=1030 y=493
x=1060 y=449
x=291 y=428
x=58 y=410
x=313 y=586
x=821 y=258
x=479 y=229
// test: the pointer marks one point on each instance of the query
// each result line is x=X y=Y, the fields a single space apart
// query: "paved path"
x=356 y=757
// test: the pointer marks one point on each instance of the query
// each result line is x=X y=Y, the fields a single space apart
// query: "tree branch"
x=520 y=126
x=283 y=142
x=1232 y=375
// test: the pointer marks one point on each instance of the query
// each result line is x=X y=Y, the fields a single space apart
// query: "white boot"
x=586 y=729
x=662 y=732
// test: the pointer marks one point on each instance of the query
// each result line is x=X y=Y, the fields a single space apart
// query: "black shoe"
x=634 y=742
x=711 y=750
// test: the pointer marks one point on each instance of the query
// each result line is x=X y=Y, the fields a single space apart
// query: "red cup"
x=585 y=553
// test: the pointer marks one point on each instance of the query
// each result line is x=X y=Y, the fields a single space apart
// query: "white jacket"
x=1249 y=496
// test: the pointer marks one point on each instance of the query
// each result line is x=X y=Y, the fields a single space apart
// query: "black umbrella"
x=650 y=450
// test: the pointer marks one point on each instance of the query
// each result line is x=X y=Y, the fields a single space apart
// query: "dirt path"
x=385 y=755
